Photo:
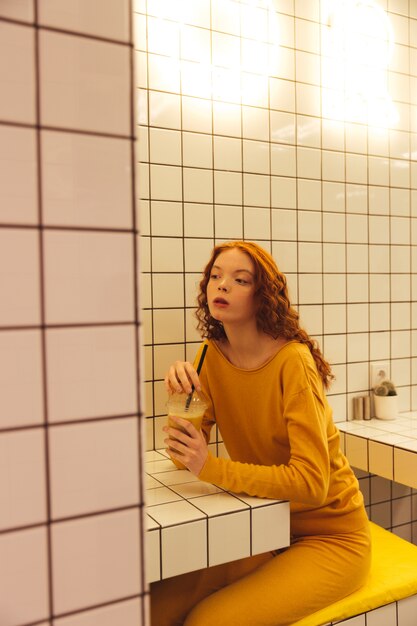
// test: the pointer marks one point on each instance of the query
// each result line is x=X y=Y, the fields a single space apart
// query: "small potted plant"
x=385 y=400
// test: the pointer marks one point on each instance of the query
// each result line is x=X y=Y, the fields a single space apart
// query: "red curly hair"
x=275 y=316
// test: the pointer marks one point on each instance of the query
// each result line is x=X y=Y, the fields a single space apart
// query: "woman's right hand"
x=180 y=378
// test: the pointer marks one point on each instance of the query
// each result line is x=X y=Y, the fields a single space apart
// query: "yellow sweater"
x=278 y=429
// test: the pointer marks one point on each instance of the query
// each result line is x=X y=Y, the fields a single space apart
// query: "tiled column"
x=71 y=498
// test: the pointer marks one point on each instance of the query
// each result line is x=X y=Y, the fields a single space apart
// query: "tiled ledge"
x=193 y=524
x=385 y=448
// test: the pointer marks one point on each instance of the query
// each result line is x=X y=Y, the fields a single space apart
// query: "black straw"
x=199 y=366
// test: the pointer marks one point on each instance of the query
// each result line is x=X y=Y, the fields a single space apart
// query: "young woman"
x=265 y=379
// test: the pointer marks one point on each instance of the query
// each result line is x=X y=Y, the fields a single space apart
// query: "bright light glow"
x=218 y=68
x=357 y=48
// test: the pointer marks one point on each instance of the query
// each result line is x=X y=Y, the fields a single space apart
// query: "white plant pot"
x=386 y=407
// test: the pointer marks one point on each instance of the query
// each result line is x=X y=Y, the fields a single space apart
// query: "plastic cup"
x=189 y=408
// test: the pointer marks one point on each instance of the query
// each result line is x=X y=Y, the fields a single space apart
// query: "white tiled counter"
x=382 y=447
x=193 y=524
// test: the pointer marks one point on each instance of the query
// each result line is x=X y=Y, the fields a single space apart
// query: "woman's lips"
x=220 y=302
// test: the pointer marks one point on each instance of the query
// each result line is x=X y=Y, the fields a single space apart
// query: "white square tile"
x=308 y=131
x=379 y=200
x=407 y=611
x=163 y=37
x=309 y=226
x=357 y=347
x=228 y=153
x=167 y=253
x=400 y=230
x=357 y=198
x=310 y=288
x=19 y=277
x=307 y=97
x=159 y=495
x=281 y=94
x=357 y=288
x=285 y=254
x=197 y=251
x=82 y=482
x=18 y=188
x=82 y=17
x=255 y=156
x=234 y=526
x=333 y=135
x=379 y=317
x=21 y=380
x=24 y=576
x=166 y=220
x=165 y=146
x=219 y=504
x=91 y=372
x=283 y=160
x=283 y=192
x=334 y=318
x=168 y=325
x=307 y=36
x=223 y=83
x=357 y=258
x=166 y=182
x=335 y=348
x=228 y=187
x=270 y=528
x=255 y=123
x=334 y=257
x=127 y=613
x=356 y=228
x=175 y=513
x=95 y=560
x=400 y=202
x=309 y=194
x=197 y=150
x=226 y=16
x=310 y=257
x=378 y=171
x=88 y=277
x=22 y=479
x=184 y=548
x=86 y=180
x=282 y=127
x=225 y=49
x=256 y=190
x=334 y=227
x=165 y=109
x=164 y=73
x=168 y=290
x=93 y=93
x=308 y=163
x=228 y=222
x=227 y=119
x=198 y=220
x=333 y=196
x=307 y=67
x=194 y=43
x=254 y=89
x=198 y=185
x=333 y=166
x=399 y=172
x=257 y=223
x=357 y=317
x=284 y=224
x=195 y=490
x=311 y=316
x=17 y=73
x=334 y=288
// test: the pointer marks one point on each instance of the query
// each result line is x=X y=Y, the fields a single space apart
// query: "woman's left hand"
x=191 y=444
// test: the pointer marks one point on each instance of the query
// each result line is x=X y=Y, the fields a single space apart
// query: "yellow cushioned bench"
x=393 y=576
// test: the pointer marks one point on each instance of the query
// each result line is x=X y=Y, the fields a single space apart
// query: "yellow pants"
x=266 y=590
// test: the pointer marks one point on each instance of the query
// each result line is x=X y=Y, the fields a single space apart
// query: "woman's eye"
x=241 y=281
x=213 y=275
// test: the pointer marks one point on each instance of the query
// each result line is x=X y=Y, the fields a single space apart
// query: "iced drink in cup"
x=190 y=407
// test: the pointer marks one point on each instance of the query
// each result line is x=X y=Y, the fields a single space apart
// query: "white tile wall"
x=257 y=151
x=71 y=540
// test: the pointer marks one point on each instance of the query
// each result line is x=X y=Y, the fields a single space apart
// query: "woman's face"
x=231 y=288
